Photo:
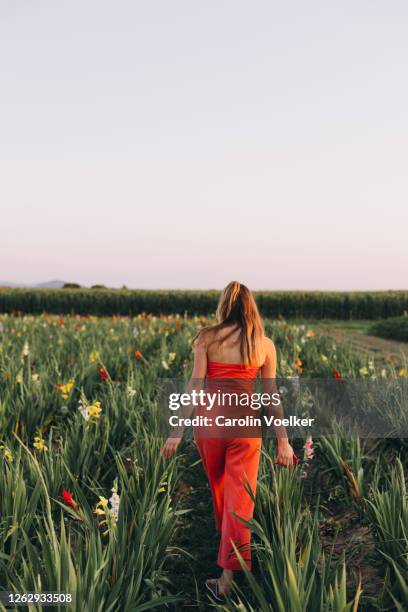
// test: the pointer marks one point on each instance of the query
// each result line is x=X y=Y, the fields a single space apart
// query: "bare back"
x=228 y=350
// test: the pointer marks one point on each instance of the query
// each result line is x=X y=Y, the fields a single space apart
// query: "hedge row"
x=289 y=304
x=395 y=328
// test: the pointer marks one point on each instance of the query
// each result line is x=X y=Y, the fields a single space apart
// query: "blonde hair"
x=237 y=307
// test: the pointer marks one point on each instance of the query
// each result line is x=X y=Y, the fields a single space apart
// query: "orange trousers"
x=231 y=464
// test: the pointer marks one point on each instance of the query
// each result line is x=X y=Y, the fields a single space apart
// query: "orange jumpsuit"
x=231 y=465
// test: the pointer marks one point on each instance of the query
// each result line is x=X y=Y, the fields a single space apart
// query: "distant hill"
x=54 y=284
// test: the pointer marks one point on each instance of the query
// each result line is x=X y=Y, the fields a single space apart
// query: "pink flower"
x=309 y=450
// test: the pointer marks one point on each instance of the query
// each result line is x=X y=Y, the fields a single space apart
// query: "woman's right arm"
x=195 y=383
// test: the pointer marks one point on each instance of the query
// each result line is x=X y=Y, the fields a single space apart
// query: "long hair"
x=237 y=307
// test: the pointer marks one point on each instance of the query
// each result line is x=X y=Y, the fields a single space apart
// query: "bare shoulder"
x=203 y=338
x=269 y=348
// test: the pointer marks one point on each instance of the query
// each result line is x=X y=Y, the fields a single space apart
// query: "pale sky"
x=183 y=144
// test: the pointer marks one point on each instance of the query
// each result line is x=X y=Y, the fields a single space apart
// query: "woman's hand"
x=285 y=455
x=170 y=447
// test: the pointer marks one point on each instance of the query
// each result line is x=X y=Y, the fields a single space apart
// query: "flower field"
x=88 y=505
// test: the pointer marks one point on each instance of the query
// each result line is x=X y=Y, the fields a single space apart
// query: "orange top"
x=219 y=369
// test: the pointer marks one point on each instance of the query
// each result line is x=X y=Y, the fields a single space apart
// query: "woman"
x=235 y=348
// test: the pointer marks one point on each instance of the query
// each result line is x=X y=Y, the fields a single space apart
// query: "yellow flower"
x=102 y=510
x=6 y=453
x=402 y=372
x=172 y=357
x=324 y=359
x=65 y=389
x=39 y=444
x=94 y=410
x=94 y=356
x=363 y=371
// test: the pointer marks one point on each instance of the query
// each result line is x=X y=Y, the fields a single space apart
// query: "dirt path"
x=382 y=351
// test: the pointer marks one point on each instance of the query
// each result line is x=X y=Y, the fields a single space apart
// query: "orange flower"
x=298 y=364
x=138 y=355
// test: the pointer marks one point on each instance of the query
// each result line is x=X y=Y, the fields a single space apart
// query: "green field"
x=79 y=414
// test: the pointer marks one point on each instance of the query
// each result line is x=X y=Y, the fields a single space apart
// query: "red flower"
x=337 y=376
x=138 y=355
x=68 y=499
x=103 y=375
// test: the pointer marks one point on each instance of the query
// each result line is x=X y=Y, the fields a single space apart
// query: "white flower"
x=26 y=350
x=130 y=391
x=83 y=410
x=135 y=332
x=165 y=365
x=114 y=503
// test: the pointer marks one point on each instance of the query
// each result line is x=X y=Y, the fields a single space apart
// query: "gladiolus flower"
x=94 y=357
x=131 y=392
x=95 y=410
x=308 y=446
x=6 y=453
x=69 y=500
x=108 y=515
x=138 y=355
x=337 y=376
x=65 y=389
x=39 y=444
x=89 y=411
x=103 y=375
